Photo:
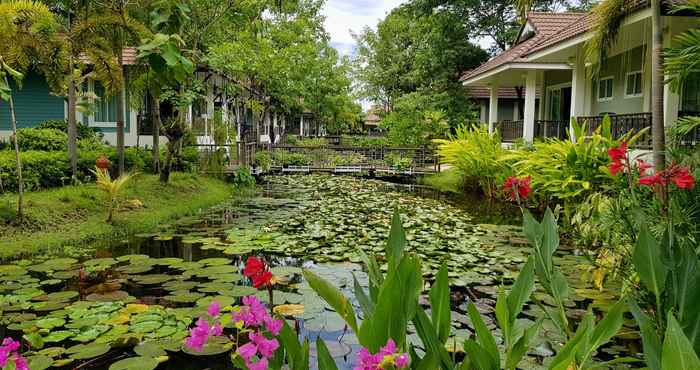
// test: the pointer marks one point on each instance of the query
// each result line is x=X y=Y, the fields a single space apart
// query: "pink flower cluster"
x=8 y=351
x=387 y=357
x=254 y=316
x=199 y=335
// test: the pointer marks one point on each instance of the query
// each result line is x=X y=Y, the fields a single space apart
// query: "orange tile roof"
x=545 y=25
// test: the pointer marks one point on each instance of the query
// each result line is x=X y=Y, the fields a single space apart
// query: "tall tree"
x=30 y=39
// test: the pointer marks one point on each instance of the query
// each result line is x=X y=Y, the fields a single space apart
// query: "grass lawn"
x=75 y=215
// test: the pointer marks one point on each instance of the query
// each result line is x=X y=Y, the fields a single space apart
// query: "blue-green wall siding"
x=33 y=104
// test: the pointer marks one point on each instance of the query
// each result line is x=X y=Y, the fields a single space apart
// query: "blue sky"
x=344 y=16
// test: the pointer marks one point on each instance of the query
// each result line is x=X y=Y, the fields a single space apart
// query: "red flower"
x=655 y=179
x=618 y=153
x=517 y=188
x=643 y=166
x=256 y=270
x=682 y=178
x=616 y=167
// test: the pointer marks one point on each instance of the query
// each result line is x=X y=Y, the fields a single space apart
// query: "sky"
x=344 y=16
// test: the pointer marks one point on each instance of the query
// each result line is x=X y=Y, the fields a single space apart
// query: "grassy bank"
x=75 y=215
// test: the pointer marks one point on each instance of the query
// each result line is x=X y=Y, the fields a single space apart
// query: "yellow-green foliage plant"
x=476 y=154
x=569 y=170
x=113 y=189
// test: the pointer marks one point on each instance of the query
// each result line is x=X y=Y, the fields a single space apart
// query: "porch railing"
x=621 y=124
x=551 y=128
x=510 y=130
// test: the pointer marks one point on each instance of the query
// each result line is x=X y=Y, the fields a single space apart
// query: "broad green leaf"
x=397 y=241
x=605 y=329
x=365 y=302
x=650 y=339
x=678 y=352
x=522 y=289
x=685 y=292
x=522 y=345
x=325 y=360
x=478 y=356
x=483 y=334
x=334 y=297
x=290 y=341
x=440 y=304
x=429 y=337
x=648 y=263
x=567 y=354
x=503 y=316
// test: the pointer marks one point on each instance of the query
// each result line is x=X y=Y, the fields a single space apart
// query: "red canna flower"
x=256 y=270
x=517 y=188
x=618 y=153
x=682 y=178
x=643 y=166
x=616 y=167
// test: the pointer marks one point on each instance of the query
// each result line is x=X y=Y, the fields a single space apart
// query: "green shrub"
x=263 y=160
x=399 y=161
x=365 y=141
x=476 y=155
x=48 y=139
x=83 y=131
x=449 y=181
x=242 y=178
x=39 y=169
x=281 y=157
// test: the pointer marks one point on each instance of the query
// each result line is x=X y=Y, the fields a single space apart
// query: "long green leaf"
x=648 y=263
x=325 y=360
x=429 y=337
x=397 y=241
x=334 y=297
x=522 y=289
x=478 y=356
x=522 y=345
x=685 y=292
x=440 y=304
x=650 y=339
x=290 y=342
x=483 y=334
x=604 y=330
x=567 y=354
x=365 y=302
x=678 y=352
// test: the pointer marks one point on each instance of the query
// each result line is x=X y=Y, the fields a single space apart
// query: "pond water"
x=89 y=306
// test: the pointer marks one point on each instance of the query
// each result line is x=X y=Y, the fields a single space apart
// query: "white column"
x=578 y=85
x=301 y=125
x=493 y=107
x=483 y=115
x=530 y=97
x=516 y=110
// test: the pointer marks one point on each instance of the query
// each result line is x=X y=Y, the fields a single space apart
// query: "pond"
x=87 y=307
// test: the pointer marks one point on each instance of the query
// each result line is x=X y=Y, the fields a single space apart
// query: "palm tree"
x=609 y=17
x=109 y=30
x=30 y=38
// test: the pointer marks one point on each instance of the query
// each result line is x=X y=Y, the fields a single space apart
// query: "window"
x=605 y=89
x=555 y=104
x=105 y=106
x=633 y=84
x=690 y=96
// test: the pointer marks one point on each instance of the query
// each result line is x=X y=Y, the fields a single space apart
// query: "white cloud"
x=344 y=16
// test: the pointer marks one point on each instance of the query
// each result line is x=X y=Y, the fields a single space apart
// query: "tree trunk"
x=120 y=118
x=657 y=89
x=20 y=180
x=72 y=127
x=167 y=166
x=155 y=122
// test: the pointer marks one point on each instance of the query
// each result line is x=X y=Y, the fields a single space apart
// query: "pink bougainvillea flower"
x=256 y=270
x=214 y=309
x=517 y=188
x=8 y=351
x=252 y=313
x=20 y=362
x=272 y=325
x=266 y=347
x=247 y=351
x=199 y=335
x=386 y=358
x=261 y=364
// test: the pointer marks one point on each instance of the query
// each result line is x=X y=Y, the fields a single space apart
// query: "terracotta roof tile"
x=545 y=26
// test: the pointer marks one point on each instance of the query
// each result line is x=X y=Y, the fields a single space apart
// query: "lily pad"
x=135 y=363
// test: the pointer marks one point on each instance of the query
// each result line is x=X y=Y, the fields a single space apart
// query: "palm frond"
x=683 y=58
x=608 y=16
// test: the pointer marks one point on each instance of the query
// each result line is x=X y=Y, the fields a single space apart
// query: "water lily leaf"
x=135 y=363
x=215 y=346
x=50 y=322
x=39 y=362
x=58 y=336
x=62 y=296
x=150 y=349
x=117 y=295
x=152 y=279
x=184 y=298
x=289 y=309
x=86 y=351
x=215 y=261
x=146 y=326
